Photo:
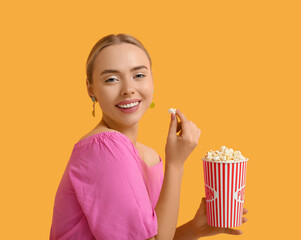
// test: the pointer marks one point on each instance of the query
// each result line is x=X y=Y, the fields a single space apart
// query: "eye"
x=110 y=79
x=140 y=75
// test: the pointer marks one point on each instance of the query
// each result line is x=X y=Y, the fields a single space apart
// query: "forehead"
x=120 y=57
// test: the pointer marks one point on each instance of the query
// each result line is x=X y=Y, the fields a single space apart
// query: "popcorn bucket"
x=225 y=189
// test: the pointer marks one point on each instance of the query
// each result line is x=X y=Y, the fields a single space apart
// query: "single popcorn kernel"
x=224 y=154
x=172 y=110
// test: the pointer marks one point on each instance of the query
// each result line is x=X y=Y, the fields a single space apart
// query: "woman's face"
x=123 y=83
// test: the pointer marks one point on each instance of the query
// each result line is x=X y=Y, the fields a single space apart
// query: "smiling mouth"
x=128 y=107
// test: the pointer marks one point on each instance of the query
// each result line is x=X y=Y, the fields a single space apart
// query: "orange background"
x=232 y=67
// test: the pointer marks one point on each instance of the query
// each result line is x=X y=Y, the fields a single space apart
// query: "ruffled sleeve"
x=110 y=189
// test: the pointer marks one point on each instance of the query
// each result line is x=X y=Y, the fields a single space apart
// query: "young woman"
x=113 y=186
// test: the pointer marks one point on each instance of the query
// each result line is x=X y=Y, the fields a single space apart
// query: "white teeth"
x=128 y=105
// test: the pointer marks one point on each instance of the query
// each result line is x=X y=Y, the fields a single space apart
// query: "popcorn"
x=224 y=154
x=222 y=149
x=172 y=110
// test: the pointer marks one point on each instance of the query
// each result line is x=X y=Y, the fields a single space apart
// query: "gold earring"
x=93 y=112
x=152 y=104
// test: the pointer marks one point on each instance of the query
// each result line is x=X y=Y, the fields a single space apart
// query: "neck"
x=131 y=132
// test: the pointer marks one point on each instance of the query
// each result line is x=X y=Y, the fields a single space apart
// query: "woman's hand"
x=202 y=228
x=179 y=147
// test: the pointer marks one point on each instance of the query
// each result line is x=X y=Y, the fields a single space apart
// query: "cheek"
x=105 y=99
x=147 y=87
x=147 y=93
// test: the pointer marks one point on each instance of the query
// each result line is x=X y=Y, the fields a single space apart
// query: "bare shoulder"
x=95 y=131
x=148 y=154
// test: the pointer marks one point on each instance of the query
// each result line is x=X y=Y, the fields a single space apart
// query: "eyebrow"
x=116 y=71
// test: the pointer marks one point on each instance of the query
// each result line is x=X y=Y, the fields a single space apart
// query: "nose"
x=128 y=89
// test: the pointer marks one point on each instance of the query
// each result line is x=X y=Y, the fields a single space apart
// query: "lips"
x=128 y=101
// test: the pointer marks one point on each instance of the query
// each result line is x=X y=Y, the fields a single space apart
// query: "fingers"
x=202 y=207
x=245 y=211
x=181 y=116
x=186 y=126
x=179 y=126
x=183 y=121
x=197 y=131
x=244 y=219
x=232 y=231
x=203 y=202
x=174 y=127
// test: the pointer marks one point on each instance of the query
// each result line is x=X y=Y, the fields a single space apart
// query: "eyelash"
x=136 y=75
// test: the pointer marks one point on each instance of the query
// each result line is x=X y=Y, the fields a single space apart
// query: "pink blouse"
x=106 y=192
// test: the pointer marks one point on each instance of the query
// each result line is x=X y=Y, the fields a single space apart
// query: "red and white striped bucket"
x=225 y=189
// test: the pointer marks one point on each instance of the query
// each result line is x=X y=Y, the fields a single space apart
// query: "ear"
x=90 y=89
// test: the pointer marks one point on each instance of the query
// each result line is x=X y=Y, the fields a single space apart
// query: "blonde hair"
x=109 y=40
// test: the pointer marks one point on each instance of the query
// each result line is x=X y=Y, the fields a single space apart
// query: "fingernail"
x=172 y=116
